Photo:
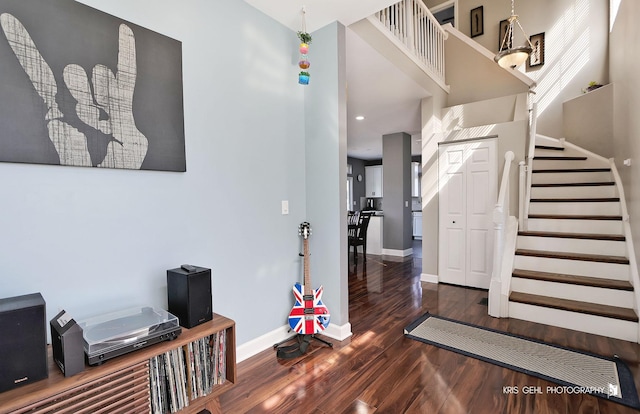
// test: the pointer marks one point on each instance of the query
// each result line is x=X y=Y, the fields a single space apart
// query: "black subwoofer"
x=23 y=340
x=189 y=295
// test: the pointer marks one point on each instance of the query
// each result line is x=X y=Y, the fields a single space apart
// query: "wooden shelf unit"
x=120 y=385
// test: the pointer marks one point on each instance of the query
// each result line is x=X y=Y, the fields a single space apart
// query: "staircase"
x=571 y=266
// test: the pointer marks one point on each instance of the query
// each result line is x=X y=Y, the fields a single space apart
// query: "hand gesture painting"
x=103 y=101
x=113 y=93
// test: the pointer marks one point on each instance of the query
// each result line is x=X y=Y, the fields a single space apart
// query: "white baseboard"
x=266 y=341
x=339 y=333
x=425 y=277
x=259 y=344
x=400 y=253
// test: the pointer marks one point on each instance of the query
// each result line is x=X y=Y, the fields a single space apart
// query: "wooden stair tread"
x=573 y=256
x=576 y=200
x=575 y=306
x=574 y=217
x=559 y=158
x=588 y=236
x=570 y=170
x=589 y=184
x=549 y=147
x=574 y=279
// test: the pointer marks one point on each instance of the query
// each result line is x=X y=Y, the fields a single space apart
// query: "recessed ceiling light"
x=359 y=117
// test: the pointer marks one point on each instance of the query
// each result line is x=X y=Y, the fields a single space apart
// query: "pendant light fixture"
x=509 y=56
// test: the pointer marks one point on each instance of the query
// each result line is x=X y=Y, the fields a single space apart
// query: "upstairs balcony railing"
x=413 y=25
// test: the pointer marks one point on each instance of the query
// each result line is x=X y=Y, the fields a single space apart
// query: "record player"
x=114 y=334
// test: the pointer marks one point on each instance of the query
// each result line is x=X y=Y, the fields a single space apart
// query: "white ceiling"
x=318 y=13
x=387 y=98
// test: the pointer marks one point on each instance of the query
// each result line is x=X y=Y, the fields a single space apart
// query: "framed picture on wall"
x=477 y=21
x=536 y=58
x=504 y=27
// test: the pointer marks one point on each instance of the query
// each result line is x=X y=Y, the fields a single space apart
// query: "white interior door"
x=468 y=193
x=451 y=262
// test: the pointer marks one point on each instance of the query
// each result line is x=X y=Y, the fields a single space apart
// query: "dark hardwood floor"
x=379 y=370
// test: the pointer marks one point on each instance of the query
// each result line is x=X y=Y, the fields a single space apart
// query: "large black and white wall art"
x=83 y=88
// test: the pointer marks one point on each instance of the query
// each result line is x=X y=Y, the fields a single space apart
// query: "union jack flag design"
x=309 y=315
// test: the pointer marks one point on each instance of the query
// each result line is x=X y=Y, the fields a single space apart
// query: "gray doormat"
x=580 y=372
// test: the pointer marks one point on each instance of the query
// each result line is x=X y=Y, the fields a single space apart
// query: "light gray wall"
x=625 y=58
x=576 y=52
x=326 y=159
x=588 y=121
x=431 y=109
x=396 y=177
x=93 y=240
x=474 y=77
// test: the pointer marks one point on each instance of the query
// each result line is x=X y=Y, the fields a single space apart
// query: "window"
x=445 y=13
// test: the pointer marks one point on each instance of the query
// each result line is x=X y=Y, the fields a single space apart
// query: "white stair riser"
x=547 y=141
x=565 y=152
x=602 y=208
x=576 y=226
x=616 y=297
x=573 y=267
x=587 y=246
x=588 y=163
x=598 y=325
x=539 y=152
x=570 y=177
x=600 y=191
x=552 y=153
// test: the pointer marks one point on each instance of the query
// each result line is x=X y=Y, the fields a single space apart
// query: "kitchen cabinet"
x=374 y=235
x=417 y=225
x=373 y=181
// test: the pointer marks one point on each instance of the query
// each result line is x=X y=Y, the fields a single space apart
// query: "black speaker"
x=67 y=344
x=23 y=341
x=189 y=294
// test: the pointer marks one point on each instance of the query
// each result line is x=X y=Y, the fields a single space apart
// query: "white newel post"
x=495 y=288
x=500 y=215
x=522 y=193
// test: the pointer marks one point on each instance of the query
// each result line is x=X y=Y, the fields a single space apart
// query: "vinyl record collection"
x=184 y=374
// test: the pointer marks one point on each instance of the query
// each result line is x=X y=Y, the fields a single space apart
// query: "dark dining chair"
x=358 y=233
x=352 y=217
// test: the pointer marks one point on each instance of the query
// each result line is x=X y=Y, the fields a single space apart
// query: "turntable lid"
x=120 y=328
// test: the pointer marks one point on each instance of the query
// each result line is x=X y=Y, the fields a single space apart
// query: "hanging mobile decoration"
x=305 y=41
